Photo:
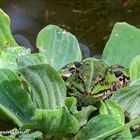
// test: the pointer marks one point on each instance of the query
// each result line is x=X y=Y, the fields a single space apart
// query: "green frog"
x=93 y=80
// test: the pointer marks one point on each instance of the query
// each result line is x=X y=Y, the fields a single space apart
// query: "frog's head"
x=92 y=78
x=91 y=72
x=81 y=77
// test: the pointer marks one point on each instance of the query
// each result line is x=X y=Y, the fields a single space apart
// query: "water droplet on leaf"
x=64 y=31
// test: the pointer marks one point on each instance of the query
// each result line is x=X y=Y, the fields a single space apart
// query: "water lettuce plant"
x=34 y=96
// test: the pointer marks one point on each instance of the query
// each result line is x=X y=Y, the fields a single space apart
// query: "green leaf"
x=136 y=135
x=31 y=59
x=71 y=104
x=124 y=38
x=136 y=82
x=117 y=130
x=101 y=124
x=56 y=122
x=6 y=38
x=47 y=86
x=129 y=99
x=126 y=134
x=113 y=109
x=31 y=136
x=15 y=102
x=117 y=136
x=83 y=115
x=91 y=59
x=3 y=118
x=3 y=138
x=9 y=56
x=136 y=138
x=134 y=69
x=59 y=47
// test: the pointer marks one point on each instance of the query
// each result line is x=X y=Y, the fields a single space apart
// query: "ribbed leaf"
x=71 y=104
x=101 y=124
x=9 y=56
x=123 y=45
x=31 y=59
x=83 y=115
x=136 y=82
x=6 y=39
x=47 y=86
x=113 y=109
x=59 y=47
x=129 y=99
x=134 y=69
x=136 y=138
x=126 y=134
x=56 y=122
x=136 y=135
x=15 y=102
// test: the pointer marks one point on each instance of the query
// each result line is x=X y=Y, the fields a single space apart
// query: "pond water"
x=91 y=21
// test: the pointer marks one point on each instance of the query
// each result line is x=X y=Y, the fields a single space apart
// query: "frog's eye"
x=118 y=73
x=66 y=68
x=65 y=75
x=69 y=69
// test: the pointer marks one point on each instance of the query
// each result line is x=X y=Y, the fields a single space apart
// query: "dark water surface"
x=90 y=20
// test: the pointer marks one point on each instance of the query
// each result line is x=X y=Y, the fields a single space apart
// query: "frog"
x=93 y=80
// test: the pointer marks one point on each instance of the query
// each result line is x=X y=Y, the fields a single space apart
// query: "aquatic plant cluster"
x=56 y=94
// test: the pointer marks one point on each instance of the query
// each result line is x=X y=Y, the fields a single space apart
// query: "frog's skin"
x=69 y=69
x=94 y=78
